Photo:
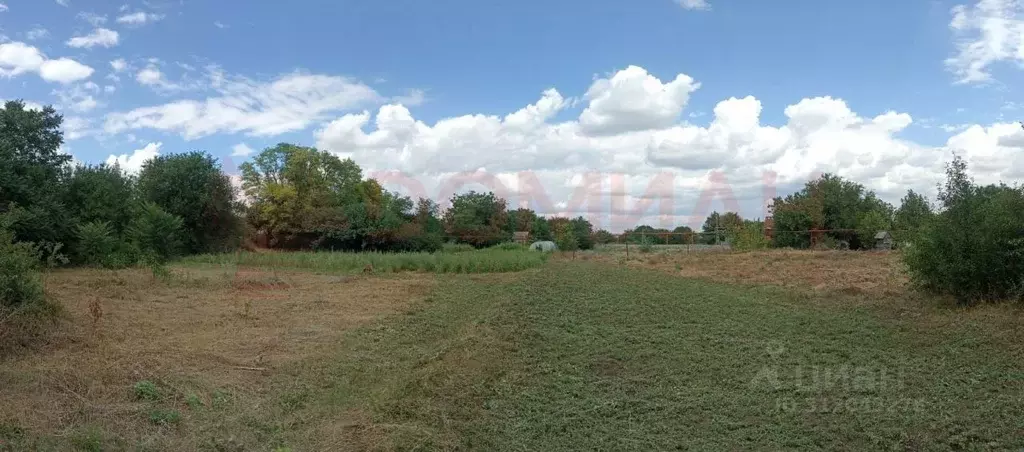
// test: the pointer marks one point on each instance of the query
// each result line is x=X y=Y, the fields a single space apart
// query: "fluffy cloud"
x=102 y=37
x=694 y=4
x=289 y=103
x=119 y=65
x=619 y=170
x=79 y=97
x=139 y=18
x=633 y=100
x=64 y=70
x=988 y=32
x=3 y=8
x=151 y=76
x=18 y=58
x=132 y=163
x=241 y=150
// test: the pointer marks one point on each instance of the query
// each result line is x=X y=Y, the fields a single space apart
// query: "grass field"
x=586 y=354
x=480 y=261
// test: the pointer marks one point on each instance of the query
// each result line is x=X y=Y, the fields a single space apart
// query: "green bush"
x=749 y=236
x=20 y=282
x=96 y=242
x=566 y=240
x=156 y=233
x=973 y=249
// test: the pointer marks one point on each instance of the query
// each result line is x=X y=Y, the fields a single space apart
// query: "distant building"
x=883 y=240
x=521 y=237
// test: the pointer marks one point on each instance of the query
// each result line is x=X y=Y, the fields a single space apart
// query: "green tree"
x=541 y=230
x=973 y=249
x=192 y=187
x=564 y=232
x=478 y=219
x=914 y=212
x=828 y=203
x=681 y=235
x=156 y=233
x=717 y=226
x=101 y=193
x=584 y=233
x=300 y=196
x=603 y=237
x=31 y=167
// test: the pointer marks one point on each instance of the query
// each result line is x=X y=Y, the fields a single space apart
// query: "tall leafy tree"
x=101 y=193
x=717 y=226
x=31 y=166
x=913 y=213
x=477 y=218
x=584 y=232
x=192 y=186
x=833 y=204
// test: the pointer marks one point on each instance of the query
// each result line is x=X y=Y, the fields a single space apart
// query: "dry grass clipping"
x=200 y=331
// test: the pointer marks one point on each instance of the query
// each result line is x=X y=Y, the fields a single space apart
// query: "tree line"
x=58 y=212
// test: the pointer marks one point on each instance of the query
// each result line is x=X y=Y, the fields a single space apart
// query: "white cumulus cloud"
x=241 y=150
x=102 y=37
x=132 y=163
x=633 y=100
x=648 y=159
x=119 y=65
x=18 y=58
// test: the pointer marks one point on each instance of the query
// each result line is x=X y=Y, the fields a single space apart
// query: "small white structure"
x=883 y=240
x=545 y=246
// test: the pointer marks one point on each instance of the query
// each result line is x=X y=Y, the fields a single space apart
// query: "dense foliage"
x=973 y=248
x=99 y=215
x=193 y=187
x=844 y=209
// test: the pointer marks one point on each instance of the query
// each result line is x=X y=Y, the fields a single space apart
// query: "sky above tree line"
x=649 y=112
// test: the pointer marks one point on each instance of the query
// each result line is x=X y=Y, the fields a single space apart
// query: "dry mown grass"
x=849 y=272
x=204 y=337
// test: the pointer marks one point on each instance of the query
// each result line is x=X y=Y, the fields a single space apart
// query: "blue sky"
x=944 y=65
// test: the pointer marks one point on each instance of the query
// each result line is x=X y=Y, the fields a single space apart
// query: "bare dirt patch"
x=200 y=335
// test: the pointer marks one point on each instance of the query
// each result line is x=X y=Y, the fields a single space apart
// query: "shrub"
x=973 y=249
x=20 y=281
x=146 y=390
x=96 y=241
x=646 y=246
x=156 y=234
x=749 y=236
x=566 y=240
x=24 y=308
x=164 y=417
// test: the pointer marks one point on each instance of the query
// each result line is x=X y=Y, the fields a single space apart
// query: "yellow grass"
x=206 y=335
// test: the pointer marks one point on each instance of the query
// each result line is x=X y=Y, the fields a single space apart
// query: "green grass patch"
x=592 y=357
x=478 y=261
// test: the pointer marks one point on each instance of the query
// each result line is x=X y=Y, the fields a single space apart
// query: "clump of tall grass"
x=479 y=261
x=457 y=248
